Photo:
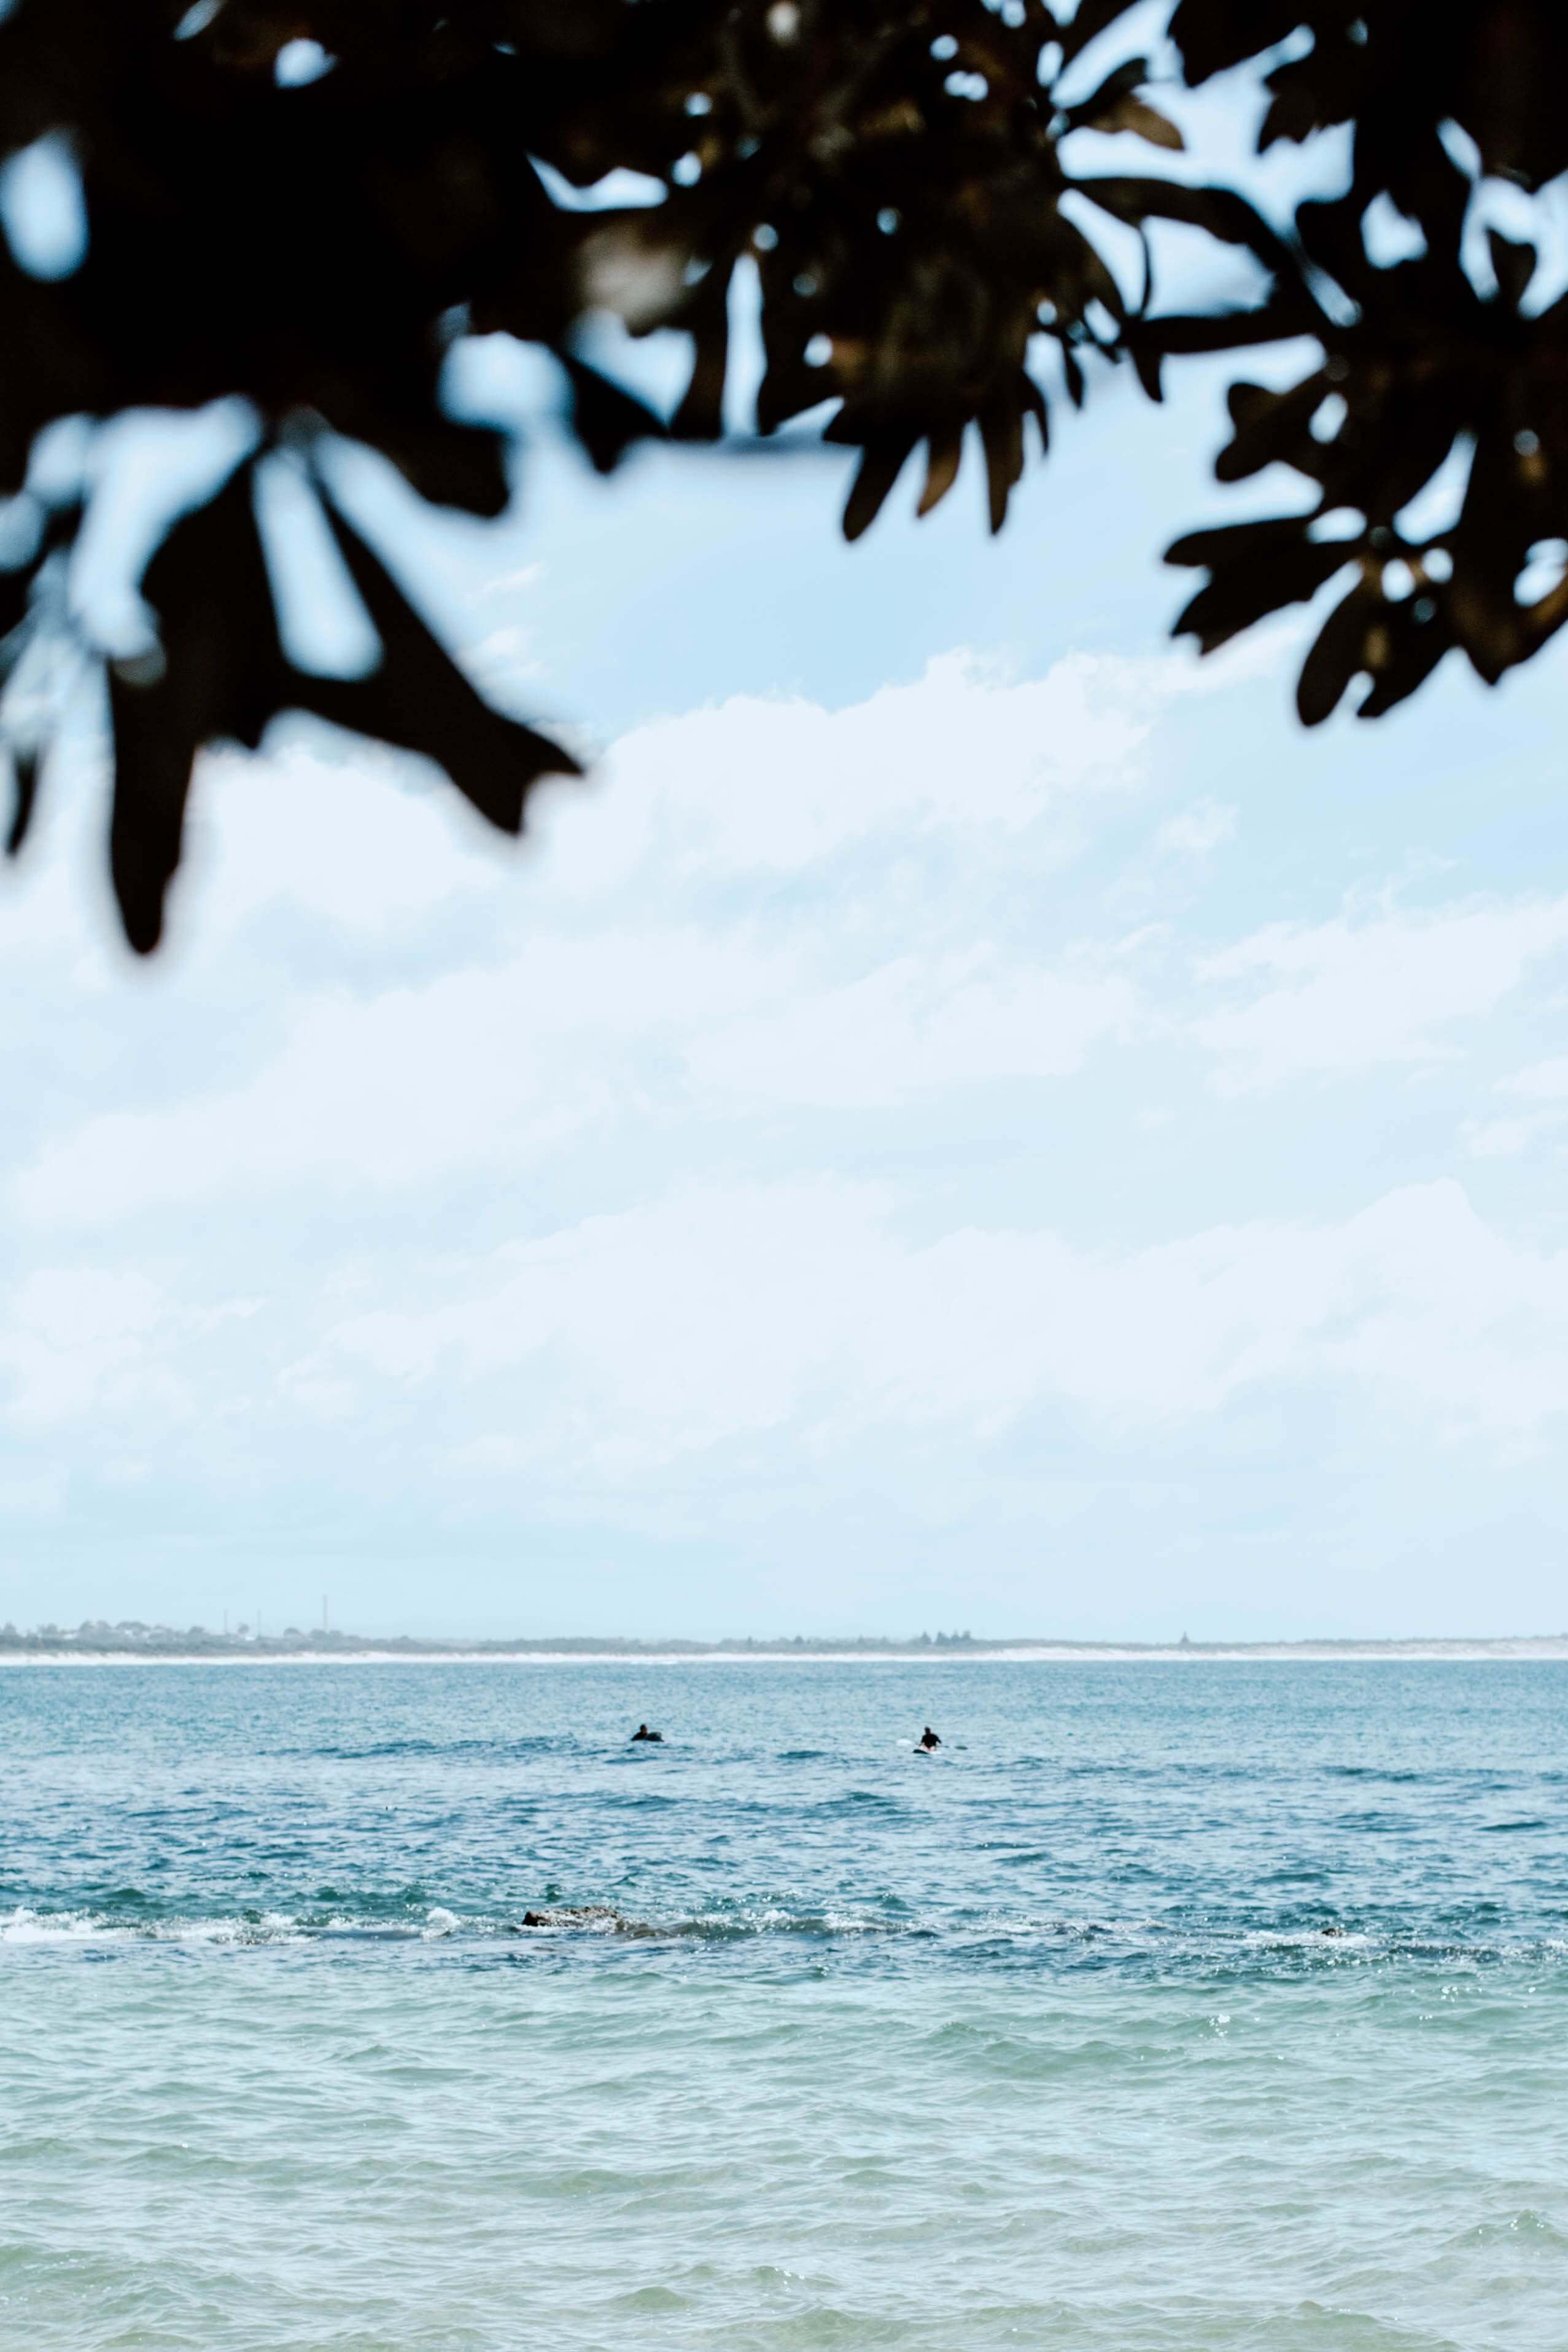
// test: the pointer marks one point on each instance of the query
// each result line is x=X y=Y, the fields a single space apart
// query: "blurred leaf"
x=419 y=699
x=1132 y=114
x=220 y=674
x=1514 y=265
x=700 y=416
x=942 y=466
x=1002 y=438
x=1271 y=426
x=1274 y=571
x=1418 y=637
x=879 y=470
x=606 y=418
x=1180 y=335
x=23 y=789
x=1221 y=212
x=1341 y=650
x=1213 y=35
x=1119 y=84
x=461 y=465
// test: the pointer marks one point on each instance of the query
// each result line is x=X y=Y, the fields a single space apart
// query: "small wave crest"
x=715 y=1926
x=1008 y=1937
x=433 y=1923
x=25 y=1925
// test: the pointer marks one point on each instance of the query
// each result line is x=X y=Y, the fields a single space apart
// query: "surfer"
x=927 y=1741
x=642 y=1732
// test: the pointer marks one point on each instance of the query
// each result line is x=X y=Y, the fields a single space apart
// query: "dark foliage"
x=897 y=171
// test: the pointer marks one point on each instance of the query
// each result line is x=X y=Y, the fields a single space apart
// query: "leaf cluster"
x=304 y=202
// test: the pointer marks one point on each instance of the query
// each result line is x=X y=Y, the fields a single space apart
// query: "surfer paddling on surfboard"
x=642 y=1732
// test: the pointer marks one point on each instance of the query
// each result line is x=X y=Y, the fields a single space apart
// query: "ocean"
x=1169 y=2006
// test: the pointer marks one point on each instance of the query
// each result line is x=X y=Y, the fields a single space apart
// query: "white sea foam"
x=27 y=1926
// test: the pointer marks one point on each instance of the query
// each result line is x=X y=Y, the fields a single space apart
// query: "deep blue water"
x=1184 y=2005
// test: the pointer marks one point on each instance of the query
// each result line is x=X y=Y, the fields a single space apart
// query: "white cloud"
x=1501 y=1138
x=502 y=659
x=916 y=1024
x=564 y=1008
x=1544 y=1083
x=778 y=786
x=1345 y=997
x=509 y=584
x=631 y=1342
x=338 y=827
x=72 y=1340
x=524 y=1043
x=1194 y=832
x=475 y=1068
x=493 y=1068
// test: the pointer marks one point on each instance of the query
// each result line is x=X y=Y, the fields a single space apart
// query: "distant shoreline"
x=354 y=1650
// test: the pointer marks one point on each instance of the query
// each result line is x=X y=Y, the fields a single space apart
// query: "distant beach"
x=32 y=1650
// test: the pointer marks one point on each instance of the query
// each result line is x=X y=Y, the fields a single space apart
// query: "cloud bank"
x=850 y=1143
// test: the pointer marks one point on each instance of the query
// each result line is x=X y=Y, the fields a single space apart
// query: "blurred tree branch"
x=305 y=202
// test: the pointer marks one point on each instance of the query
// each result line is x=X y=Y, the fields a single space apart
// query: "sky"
x=971 y=1119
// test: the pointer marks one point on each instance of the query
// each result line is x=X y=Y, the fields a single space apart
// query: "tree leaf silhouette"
x=1342 y=648
x=605 y=417
x=218 y=673
x=419 y=698
x=23 y=796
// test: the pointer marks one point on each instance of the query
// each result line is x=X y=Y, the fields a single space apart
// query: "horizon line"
x=133 y=1641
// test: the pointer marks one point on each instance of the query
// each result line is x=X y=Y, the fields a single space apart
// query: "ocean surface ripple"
x=1169 y=2006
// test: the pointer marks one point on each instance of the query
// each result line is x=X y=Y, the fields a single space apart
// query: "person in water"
x=642 y=1732
x=927 y=1741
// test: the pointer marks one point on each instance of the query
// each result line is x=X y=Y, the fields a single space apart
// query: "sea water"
x=1168 y=2005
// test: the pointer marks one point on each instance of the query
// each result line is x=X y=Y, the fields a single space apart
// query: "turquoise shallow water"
x=1039 y=2042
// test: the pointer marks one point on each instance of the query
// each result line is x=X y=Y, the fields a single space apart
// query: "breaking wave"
x=1161 y=1947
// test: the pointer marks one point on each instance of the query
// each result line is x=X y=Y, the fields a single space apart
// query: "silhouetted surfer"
x=927 y=1741
x=642 y=1732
